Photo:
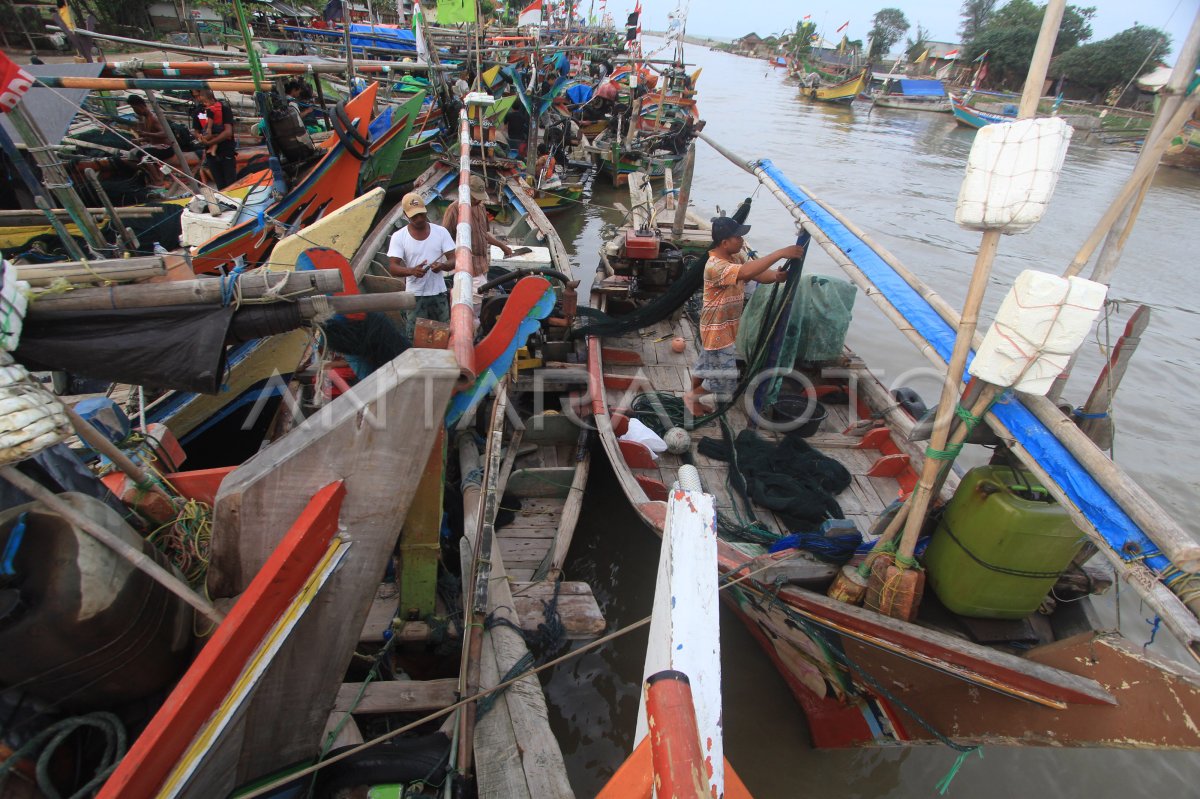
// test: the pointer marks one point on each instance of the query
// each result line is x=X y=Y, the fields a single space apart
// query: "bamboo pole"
x=24 y=217
x=165 y=84
x=39 y=195
x=64 y=236
x=199 y=291
x=462 y=312
x=1173 y=541
x=202 y=68
x=685 y=191
x=125 y=233
x=82 y=271
x=55 y=177
x=1176 y=92
x=139 y=559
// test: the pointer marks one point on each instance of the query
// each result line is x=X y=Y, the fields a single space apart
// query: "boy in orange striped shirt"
x=725 y=276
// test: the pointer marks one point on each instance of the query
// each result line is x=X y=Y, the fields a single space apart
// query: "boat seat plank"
x=396 y=696
x=550 y=427
x=515 y=531
x=550 y=481
x=580 y=613
x=524 y=550
x=380 y=619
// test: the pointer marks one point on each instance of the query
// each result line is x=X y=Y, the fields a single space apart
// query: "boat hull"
x=938 y=105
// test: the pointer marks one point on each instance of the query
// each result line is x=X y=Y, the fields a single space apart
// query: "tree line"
x=1008 y=34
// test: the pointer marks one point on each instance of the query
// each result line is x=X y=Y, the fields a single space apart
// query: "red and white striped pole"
x=462 y=312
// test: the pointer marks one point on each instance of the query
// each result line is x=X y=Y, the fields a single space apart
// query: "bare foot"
x=691 y=401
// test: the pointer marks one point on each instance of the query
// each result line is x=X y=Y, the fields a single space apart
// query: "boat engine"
x=644 y=256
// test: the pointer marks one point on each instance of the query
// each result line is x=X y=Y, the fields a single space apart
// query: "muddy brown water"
x=896 y=174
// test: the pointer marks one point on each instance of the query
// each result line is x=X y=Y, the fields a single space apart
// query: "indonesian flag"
x=952 y=54
x=806 y=17
x=14 y=82
x=845 y=25
x=530 y=14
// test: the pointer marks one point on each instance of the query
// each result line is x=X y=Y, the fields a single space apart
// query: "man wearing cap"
x=481 y=233
x=420 y=252
x=725 y=276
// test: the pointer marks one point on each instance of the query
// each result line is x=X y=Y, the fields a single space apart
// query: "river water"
x=897 y=175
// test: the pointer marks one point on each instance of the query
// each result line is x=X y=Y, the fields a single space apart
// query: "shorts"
x=431 y=306
x=718 y=370
x=161 y=153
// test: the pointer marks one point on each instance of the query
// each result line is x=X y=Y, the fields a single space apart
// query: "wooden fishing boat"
x=845 y=92
x=913 y=95
x=971 y=117
x=682 y=660
x=390 y=146
x=331 y=184
x=1184 y=150
x=860 y=676
x=260 y=369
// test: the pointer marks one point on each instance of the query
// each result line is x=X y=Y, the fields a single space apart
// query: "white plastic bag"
x=644 y=435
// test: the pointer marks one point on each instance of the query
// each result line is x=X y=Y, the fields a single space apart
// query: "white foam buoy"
x=1011 y=174
x=1041 y=323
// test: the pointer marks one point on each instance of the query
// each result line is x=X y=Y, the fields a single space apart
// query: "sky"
x=730 y=20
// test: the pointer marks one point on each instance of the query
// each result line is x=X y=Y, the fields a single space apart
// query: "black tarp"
x=180 y=347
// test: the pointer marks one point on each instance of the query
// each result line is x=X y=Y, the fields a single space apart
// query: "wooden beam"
x=201 y=291
x=118 y=270
x=396 y=696
x=578 y=609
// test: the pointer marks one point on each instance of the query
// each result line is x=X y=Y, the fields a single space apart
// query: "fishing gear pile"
x=790 y=478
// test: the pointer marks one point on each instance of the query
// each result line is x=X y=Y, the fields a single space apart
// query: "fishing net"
x=823 y=312
x=788 y=477
x=812 y=328
x=373 y=341
x=658 y=309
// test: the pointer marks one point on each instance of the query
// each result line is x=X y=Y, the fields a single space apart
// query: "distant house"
x=748 y=44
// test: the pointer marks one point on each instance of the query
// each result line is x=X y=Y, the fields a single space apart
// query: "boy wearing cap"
x=725 y=276
x=420 y=252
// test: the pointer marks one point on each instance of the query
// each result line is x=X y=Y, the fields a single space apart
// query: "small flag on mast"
x=530 y=14
x=845 y=25
x=14 y=82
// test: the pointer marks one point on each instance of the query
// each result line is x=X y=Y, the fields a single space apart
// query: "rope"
x=991 y=566
x=964 y=750
x=550 y=637
x=437 y=714
x=51 y=738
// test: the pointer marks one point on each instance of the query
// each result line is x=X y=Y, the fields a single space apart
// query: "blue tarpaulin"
x=1109 y=519
x=922 y=88
x=579 y=94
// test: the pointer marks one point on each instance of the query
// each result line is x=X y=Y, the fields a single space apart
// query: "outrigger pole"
x=1162 y=531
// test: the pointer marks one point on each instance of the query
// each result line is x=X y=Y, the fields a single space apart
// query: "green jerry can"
x=1000 y=546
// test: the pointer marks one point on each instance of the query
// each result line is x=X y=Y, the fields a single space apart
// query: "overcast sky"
x=729 y=20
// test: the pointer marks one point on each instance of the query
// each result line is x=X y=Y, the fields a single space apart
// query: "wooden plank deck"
x=669 y=372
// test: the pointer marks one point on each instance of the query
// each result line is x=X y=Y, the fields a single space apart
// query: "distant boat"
x=914 y=95
x=843 y=92
x=973 y=117
x=1184 y=150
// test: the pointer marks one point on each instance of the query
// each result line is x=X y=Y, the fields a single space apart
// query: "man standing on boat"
x=213 y=122
x=420 y=252
x=725 y=276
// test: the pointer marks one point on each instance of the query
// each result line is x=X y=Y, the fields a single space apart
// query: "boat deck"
x=643 y=362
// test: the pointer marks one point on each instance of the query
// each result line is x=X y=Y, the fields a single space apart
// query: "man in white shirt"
x=421 y=252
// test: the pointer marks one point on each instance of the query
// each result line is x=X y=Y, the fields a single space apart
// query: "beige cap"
x=478 y=188
x=412 y=204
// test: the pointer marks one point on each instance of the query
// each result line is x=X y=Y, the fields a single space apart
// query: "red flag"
x=14 y=82
x=845 y=25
